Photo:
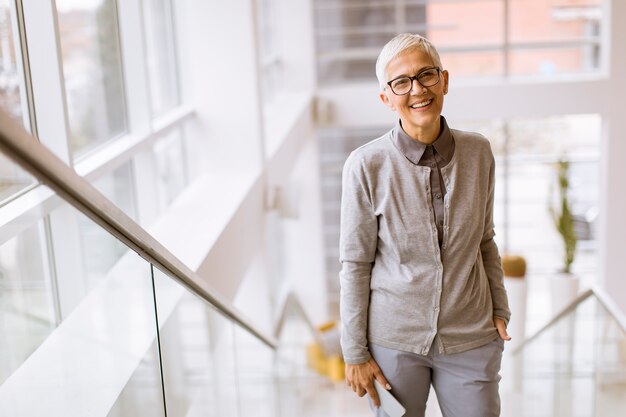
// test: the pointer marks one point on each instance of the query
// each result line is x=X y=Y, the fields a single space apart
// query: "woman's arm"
x=491 y=257
x=357 y=250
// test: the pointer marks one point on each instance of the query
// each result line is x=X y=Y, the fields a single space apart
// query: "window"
x=160 y=50
x=100 y=250
x=473 y=37
x=168 y=152
x=552 y=37
x=92 y=68
x=10 y=68
x=26 y=301
x=527 y=152
x=13 y=179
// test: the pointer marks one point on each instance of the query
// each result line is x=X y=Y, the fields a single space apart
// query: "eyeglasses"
x=426 y=78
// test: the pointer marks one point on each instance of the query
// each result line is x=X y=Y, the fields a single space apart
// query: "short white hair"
x=398 y=45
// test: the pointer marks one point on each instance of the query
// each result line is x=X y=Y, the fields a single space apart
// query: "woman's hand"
x=501 y=327
x=360 y=378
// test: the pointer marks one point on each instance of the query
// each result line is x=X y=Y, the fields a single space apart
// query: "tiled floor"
x=313 y=395
x=570 y=396
x=223 y=373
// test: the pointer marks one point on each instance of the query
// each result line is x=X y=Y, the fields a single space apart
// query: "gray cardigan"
x=398 y=289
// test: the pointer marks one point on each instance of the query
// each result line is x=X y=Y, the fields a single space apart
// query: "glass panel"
x=572 y=27
x=355 y=15
x=161 y=56
x=101 y=359
x=142 y=395
x=100 y=252
x=553 y=61
x=465 y=24
x=10 y=69
x=554 y=20
x=472 y=63
x=559 y=36
x=350 y=34
x=26 y=301
x=531 y=148
x=300 y=390
x=258 y=383
x=12 y=178
x=92 y=67
x=337 y=40
x=336 y=70
x=170 y=166
x=577 y=367
x=534 y=147
x=198 y=355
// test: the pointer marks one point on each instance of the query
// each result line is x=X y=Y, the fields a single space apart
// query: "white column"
x=612 y=247
x=219 y=78
x=46 y=72
x=612 y=230
x=296 y=32
x=138 y=106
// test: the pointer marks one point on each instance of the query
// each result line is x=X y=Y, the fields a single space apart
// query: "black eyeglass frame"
x=416 y=78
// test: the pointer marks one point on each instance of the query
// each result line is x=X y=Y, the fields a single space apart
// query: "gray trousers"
x=466 y=383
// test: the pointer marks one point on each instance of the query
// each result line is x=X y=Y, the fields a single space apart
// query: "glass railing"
x=574 y=366
x=119 y=327
x=104 y=321
x=130 y=340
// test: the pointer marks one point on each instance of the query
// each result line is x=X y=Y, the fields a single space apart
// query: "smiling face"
x=420 y=108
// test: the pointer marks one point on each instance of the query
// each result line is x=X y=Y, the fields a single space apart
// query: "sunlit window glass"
x=92 y=69
x=12 y=178
x=527 y=152
x=554 y=37
x=170 y=166
x=26 y=308
x=269 y=49
x=469 y=35
x=161 y=55
x=10 y=100
x=100 y=250
x=474 y=37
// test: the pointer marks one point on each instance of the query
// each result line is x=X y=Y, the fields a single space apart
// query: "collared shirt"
x=399 y=288
x=436 y=156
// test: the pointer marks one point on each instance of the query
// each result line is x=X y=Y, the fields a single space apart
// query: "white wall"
x=232 y=131
x=219 y=77
x=613 y=205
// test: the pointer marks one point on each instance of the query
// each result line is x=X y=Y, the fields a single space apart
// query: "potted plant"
x=564 y=283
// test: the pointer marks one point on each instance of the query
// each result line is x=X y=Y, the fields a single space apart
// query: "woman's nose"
x=416 y=87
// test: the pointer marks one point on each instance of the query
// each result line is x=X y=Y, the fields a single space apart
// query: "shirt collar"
x=413 y=149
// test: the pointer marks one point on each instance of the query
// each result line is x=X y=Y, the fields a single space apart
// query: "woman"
x=422 y=294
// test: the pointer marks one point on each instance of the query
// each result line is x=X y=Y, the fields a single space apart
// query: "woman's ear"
x=385 y=99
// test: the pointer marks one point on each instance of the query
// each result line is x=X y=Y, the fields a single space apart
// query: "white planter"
x=563 y=290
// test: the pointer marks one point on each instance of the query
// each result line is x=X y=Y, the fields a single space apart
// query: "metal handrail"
x=605 y=300
x=32 y=156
